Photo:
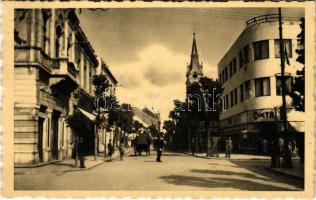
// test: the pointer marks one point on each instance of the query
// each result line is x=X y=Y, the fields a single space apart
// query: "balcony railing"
x=262 y=19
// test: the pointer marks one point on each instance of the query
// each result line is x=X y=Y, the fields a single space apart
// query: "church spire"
x=194 y=52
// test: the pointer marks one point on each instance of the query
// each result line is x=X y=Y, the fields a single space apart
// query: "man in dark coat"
x=159 y=149
x=229 y=147
x=81 y=151
x=110 y=151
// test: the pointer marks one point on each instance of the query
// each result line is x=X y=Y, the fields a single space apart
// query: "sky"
x=148 y=49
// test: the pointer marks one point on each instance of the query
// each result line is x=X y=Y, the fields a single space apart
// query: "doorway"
x=40 y=138
x=54 y=138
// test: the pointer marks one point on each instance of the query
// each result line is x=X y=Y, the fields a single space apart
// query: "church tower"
x=194 y=69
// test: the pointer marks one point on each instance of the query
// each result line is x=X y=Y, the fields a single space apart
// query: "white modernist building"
x=250 y=74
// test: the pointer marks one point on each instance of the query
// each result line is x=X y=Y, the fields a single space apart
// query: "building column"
x=82 y=58
x=33 y=30
x=52 y=34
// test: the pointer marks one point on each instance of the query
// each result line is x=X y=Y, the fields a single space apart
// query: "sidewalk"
x=68 y=165
x=296 y=173
x=233 y=156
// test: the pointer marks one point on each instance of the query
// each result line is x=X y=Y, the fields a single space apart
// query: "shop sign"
x=265 y=115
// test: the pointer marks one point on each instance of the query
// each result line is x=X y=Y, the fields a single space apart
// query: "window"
x=288 y=85
x=45 y=29
x=261 y=49
x=226 y=101
x=231 y=99
x=234 y=66
x=247 y=89
x=287 y=48
x=226 y=74
x=220 y=78
x=242 y=94
x=85 y=73
x=246 y=54
x=241 y=60
x=230 y=69
x=235 y=95
x=262 y=87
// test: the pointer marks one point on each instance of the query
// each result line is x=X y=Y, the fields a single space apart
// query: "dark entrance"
x=54 y=139
x=40 y=138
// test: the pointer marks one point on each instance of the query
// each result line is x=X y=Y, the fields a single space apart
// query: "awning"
x=298 y=126
x=90 y=116
x=140 y=121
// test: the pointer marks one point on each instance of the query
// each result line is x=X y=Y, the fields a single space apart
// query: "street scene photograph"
x=159 y=99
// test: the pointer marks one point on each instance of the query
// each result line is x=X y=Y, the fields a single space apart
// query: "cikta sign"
x=262 y=115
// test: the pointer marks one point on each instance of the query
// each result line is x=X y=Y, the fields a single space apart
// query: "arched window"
x=46 y=14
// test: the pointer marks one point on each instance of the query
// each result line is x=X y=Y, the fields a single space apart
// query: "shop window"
x=242 y=94
x=262 y=87
x=261 y=49
x=287 y=48
x=288 y=85
x=247 y=90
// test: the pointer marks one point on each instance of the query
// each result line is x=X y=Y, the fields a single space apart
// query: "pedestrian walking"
x=159 y=149
x=229 y=147
x=121 y=149
x=81 y=152
x=110 y=151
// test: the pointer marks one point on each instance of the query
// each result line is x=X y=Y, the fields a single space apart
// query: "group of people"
x=111 y=150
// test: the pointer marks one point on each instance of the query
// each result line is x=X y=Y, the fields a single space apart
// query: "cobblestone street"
x=177 y=172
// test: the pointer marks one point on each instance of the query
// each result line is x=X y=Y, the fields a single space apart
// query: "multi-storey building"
x=250 y=73
x=53 y=68
x=104 y=134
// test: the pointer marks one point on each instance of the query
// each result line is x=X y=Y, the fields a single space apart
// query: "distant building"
x=53 y=68
x=250 y=73
x=146 y=117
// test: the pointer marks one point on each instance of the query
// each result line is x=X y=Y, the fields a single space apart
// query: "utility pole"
x=287 y=160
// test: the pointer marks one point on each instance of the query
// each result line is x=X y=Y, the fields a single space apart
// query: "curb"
x=37 y=165
x=284 y=173
x=74 y=169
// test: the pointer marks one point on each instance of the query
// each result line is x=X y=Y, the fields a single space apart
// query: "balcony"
x=64 y=67
x=262 y=19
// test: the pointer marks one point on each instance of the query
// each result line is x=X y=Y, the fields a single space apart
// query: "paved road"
x=177 y=172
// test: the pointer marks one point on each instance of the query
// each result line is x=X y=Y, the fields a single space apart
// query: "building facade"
x=146 y=117
x=250 y=74
x=104 y=134
x=53 y=68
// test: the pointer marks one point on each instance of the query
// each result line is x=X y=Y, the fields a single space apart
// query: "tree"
x=101 y=84
x=298 y=88
x=212 y=90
